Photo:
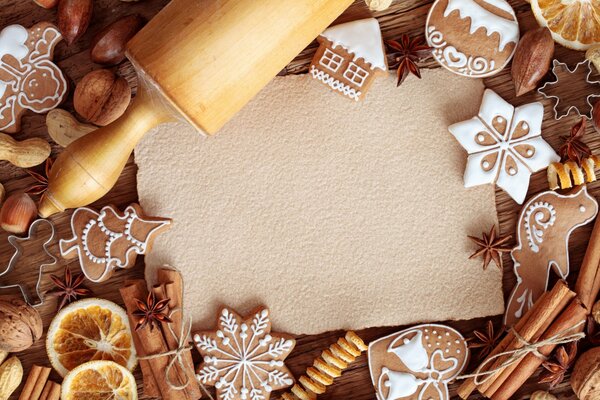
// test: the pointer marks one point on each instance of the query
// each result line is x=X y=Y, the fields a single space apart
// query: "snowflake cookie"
x=505 y=145
x=242 y=359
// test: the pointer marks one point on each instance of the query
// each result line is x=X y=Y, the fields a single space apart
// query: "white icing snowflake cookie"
x=474 y=38
x=243 y=360
x=417 y=363
x=350 y=55
x=505 y=145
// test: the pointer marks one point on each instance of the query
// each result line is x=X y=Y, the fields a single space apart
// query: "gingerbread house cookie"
x=29 y=80
x=417 y=363
x=474 y=38
x=349 y=57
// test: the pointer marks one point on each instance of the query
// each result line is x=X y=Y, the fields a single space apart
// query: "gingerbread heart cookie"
x=417 y=363
x=110 y=239
x=474 y=38
x=29 y=80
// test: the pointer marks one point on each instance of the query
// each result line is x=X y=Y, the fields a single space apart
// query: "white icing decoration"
x=334 y=83
x=515 y=181
x=508 y=30
x=12 y=42
x=362 y=38
x=581 y=208
x=245 y=352
x=538 y=218
x=414 y=356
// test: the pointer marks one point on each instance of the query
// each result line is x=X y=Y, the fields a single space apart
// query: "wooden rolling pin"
x=200 y=61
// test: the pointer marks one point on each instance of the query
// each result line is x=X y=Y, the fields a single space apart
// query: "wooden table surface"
x=404 y=16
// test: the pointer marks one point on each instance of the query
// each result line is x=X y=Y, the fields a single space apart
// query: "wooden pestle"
x=201 y=60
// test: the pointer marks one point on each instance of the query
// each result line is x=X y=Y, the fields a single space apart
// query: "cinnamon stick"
x=51 y=391
x=469 y=385
x=573 y=314
x=151 y=341
x=553 y=304
x=588 y=281
x=34 y=385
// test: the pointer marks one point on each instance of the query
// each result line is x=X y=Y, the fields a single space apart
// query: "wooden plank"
x=404 y=16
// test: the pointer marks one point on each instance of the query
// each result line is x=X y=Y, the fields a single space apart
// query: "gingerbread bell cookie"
x=474 y=38
x=417 y=363
x=110 y=239
x=543 y=232
x=349 y=57
x=29 y=80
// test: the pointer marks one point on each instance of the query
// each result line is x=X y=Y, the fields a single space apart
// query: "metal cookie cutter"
x=11 y=274
x=550 y=88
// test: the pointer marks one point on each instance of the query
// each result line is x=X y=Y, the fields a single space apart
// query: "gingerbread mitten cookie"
x=110 y=239
x=474 y=38
x=417 y=363
x=29 y=80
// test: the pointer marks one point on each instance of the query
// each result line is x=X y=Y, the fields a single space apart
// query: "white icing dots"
x=529 y=152
x=480 y=137
x=485 y=165
x=512 y=171
x=582 y=208
x=524 y=125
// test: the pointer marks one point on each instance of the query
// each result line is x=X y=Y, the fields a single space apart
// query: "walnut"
x=20 y=324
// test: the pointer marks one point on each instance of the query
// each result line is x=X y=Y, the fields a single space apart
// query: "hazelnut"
x=108 y=46
x=20 y=324
x=585 y=379
x=74 y=17
x=542 y=395
x=101 y=97
x=17 y=213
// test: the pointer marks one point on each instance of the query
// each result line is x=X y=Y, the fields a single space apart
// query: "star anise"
x=491 y=248
x=573 y=148
x=555 y=370
x=486 y=341
x=69 y=288
x=409 y=52
x=151 y=312
x=41 y=186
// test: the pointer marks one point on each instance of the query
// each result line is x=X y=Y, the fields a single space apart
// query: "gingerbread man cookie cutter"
x=29 y=80
x=12 y=274
x=546 y=90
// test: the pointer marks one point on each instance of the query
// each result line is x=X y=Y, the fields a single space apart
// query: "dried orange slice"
x=87 y=330
x=99 y=380
x=574 y=23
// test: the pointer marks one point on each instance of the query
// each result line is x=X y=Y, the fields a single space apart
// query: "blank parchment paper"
x=333 y=213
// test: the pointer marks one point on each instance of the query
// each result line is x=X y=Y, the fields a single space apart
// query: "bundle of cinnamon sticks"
x=557 y=313
x=165 y=360
x=38 y=387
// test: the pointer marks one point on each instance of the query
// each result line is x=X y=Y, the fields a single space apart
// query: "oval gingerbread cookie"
x=474 y=38
x=29 y=80
x=417 y=363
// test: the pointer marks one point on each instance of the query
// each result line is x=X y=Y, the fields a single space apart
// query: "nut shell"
x=542 y=395
x=17 y=213
x=532 y=59
x=101 y=97
x=108 y=46
x=585 y=379
x=74 y=17
x=20 y=324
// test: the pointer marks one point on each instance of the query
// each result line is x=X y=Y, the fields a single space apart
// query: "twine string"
x=565 y=336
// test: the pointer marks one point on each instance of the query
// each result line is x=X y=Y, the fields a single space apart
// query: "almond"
x=532 y=59
x=108 y=46
x=74 y=17
x=101 y=97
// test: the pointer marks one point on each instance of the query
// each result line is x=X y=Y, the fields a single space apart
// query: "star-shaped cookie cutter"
x=14 y=241
x=557 y=64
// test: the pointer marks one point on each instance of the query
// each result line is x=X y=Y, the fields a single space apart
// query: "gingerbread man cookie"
x=110 y=239
x=474 y=38
x=29 y=80
x=545 y=224
x=417 y=363
x=505 y=145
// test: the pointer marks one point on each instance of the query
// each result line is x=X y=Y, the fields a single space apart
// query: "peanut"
x=25 y=154
x=3 y=355
x=64 y=128
x=11 y=375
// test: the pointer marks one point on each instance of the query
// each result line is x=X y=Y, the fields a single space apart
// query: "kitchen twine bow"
x=562 y=337
x=182 y=346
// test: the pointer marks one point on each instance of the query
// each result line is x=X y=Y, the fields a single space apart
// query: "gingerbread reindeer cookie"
x=543 y=231
x=417 y=363
x=110 y=239
x=29 y=80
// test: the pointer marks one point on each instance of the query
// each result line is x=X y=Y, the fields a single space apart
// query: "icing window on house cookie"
x=356 y=74
x=331 y=60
